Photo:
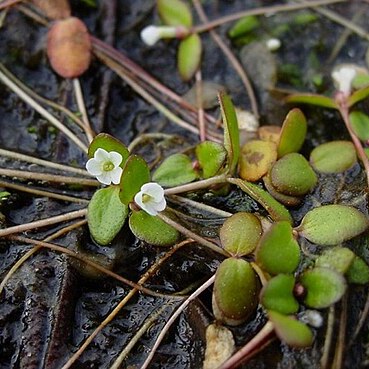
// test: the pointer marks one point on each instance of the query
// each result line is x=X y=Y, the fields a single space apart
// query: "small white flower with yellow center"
x=151 y=198
x=343 y=77
x=150 y=35
x=105 y=166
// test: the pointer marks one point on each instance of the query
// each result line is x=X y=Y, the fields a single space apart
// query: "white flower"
x=313 y=318
x=343 y=77
x=105 y=166
x=273 y=44
x=151 y=198
x=150 y=35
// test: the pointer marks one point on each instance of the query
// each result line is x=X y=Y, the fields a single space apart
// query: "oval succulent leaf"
x=175 y=170
x=338 y=258
x=108 y=143
x=106 y=215
x=358 y=272
x=360 y=124
x=243 y=26
x=211 y=157
x=135 y=174
x=333 y=157
x=277 y=294
x=281 y=197
x=174 y=13
x=240 y=233
x=331 y=225
x=290 y=330
x=324 y=287
x=256 y=159
x=277 y=251
x=152 y=229
x=292 y=175
x=189 y=56
x=293 y=133
x=235 y=291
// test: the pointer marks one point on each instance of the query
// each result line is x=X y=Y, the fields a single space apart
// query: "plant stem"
x=41 y=110
x=45 y=163
x=43 y=222
x=48 y=177
x=199 y=185
x=250 y=348
x=261 y=11
x=172 y=319
x=82 y=108
x=344 y=111
x=233 y=60
x=202 y=241
x=38 y=192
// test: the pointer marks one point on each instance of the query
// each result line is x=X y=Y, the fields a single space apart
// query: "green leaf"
x=231 y=132
x=277 y=294
x=152 y=229
x=281 y=197
x=174 y=13
x=292 y=175
x=293 y=133
x=338 y=258
x=106 y=215
x=108 y=143
x=135 y=174
x=235 y=291
x=358 y=272
x=211 y=157
x=358 y=95
x=189 y=56
x=276 y=210
x=312 y=99
x=324 y=287
x=360 y=124
x=175 y=170
x=243 y=26
x=256 y=159
x=331 y=225
x=290 y=330
x=278 y=252
x=333 y=157
x=240 y=233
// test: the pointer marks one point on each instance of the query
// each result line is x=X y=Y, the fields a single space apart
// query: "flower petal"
x=160 y=206
x=115 y=175
x=150 y=208
x=101 y=155
x=115 y=158
x=94 y=167
x=154 y=190
x=138 y=199
x=104 y=178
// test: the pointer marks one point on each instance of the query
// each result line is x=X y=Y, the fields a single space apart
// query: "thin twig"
x=340 y=343
x=41 y=110
x=38 y=192
x=328 y=338
x=262 y=11
x=233 y=60
x=82 y=108
x=202 y=241
x=43 y=222
x=48 y=177
x=7 y=3
x=45 y=163
x=172 y=319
